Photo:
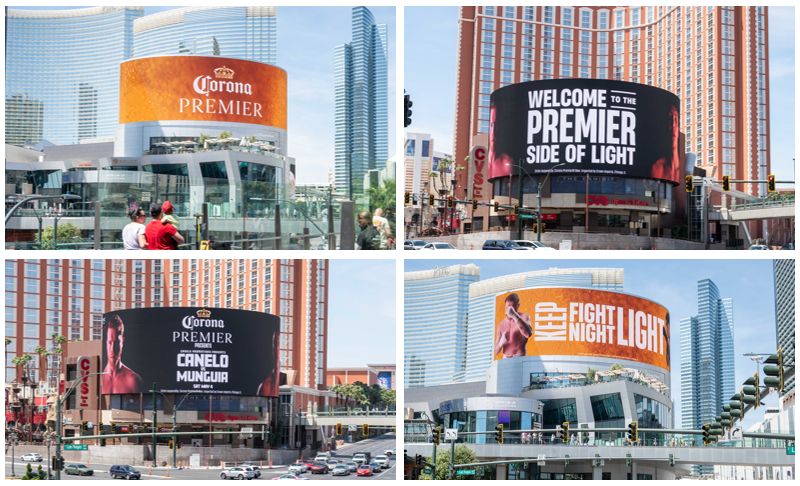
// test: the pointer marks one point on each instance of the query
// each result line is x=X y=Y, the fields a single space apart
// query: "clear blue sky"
x=362 y=312
x=306 y=39
x=431 y=34
x=673 y=284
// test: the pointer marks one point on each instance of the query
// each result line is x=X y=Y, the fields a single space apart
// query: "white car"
x=390 y=452
x=31 y=457
x=237 y=473
x=322 y=457
x=298 y=468
x=333 y=463
x=533 y=245
x=290 y=477
x=360 y=459
x=383 y=461
x=438 y=246
x=759 y=247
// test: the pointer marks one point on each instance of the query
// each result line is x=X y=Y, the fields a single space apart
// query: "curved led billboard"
x=592 y=126
x=181 y=349
x=203 y=89
x=581 y=322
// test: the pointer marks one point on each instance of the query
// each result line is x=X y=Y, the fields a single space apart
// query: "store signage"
x=477 y=171
x=223 y=417
x=503 y=417
x=611 y=200
x=87 y=388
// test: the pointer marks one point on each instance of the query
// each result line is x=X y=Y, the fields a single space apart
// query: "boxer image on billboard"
x=120 y=379
x=269 y=387
x=514 y=331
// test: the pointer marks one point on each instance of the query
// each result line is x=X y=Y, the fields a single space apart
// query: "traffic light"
x=474 y=204
x=689 y=183
x=736 y=408
x=726 y=183
x=516 y=209
x=565 y=432
x=158 y=429
x=55 y=463
x=437 y=436
x=409 y=104
x=338 y=429
x=171 y=444
x=770 y=183
x=706 y=433
x=774 y=374
x=408 y=197
x=84 y=427
x=633 y=432
x=628 y=459
x=450 y=202
x=566 y=460
x=417 y=460
x=751 y=391
x=431 y=200
x=365 y=430
x=671 y=461
x=543 y=228
x=131 y=428
x=535 y=228
x=113 y=428
x=496 y=206
x=498 y=433
x=180 y=444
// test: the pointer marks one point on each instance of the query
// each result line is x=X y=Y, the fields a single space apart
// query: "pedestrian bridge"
x=755 y=210
x=735 y=456
x=311 y=420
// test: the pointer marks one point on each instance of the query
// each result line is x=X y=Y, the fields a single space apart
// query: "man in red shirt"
x=161 y=236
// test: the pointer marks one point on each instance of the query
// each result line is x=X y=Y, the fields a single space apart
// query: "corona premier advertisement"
x=183 y=349
x=202 y=89
x=585 y=126
x=581 y=322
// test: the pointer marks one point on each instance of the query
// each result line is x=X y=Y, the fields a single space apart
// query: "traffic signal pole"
x=452 y=457
x=155 y=421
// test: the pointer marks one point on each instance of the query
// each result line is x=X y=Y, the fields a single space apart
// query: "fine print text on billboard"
x=182 y=349
x=591 y=126
x=202 y=89
x=581 y=322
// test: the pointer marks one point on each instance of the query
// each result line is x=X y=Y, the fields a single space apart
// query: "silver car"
x=341 y=470
x=352 y=466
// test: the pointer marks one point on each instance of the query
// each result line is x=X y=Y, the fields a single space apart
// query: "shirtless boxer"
x=513 y=331
x=121 y=378
x=269 y=387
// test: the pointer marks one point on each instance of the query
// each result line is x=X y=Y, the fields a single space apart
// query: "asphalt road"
x=374 y=446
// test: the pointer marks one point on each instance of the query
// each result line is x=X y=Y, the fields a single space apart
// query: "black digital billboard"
x=592 y=126
x=181 y=349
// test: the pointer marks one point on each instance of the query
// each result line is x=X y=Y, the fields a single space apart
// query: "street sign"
x=736 y=433
x=527 y=216
x=450 y=434
x=76 y=447
x=427 y=470
x=352 y=428
x=790 y=448
x=540 y=460
x=465 y=472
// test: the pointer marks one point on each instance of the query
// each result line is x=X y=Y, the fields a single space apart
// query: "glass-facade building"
x=707 y=362
x=361 y=102
x=783 y=271
x=435 y=303
x=242 y=32
x=62 y=72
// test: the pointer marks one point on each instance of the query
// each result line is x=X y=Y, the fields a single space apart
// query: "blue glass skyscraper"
x=362 y=125
x=244 y=32
x=707 y=364
x=62 y=72
x=783 y=271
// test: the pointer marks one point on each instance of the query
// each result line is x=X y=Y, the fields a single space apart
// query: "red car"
x=364 y=470
x=310 y=462
x=318 y=468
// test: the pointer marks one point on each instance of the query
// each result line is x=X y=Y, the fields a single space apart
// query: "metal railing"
x=363 y=410
x=587 y=382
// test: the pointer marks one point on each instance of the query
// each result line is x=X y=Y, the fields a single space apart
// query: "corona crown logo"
x=224 y=73
x=204 y=313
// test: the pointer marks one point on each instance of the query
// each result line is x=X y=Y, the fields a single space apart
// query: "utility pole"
x=519 y=201
x=539 y=202
x=155 y=421
x=452 y=457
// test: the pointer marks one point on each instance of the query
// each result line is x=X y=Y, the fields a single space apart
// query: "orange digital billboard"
x=581 y=322
x=202 y=89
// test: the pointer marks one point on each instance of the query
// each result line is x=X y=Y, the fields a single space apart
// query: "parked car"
x=534 y=245
x=31 y=457
x=298 y=468
x=352 y=466
x=126 y=472
x=290 y=477
x=759 y=247
x=237 y=473
x=341 y=470
x=438 y=246
x=319 y=468
x=78 y=469
x=364 y=470
x=383 y=461
x=414 y=244
x=501 y=245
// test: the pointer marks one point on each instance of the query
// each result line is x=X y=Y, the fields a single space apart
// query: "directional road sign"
x=450 y=434
x=736 y=433
x=76 y=447
x=465 y=472
x=352 y=428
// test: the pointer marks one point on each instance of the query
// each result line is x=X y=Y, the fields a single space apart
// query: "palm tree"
x=8 y=342
x=43 y=354
x=440 y=172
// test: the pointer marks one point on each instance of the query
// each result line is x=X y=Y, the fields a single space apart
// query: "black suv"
x=126 y=472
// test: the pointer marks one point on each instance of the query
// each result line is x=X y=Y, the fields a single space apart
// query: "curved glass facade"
x=62 y=72
x=652 y=414
x=558 y=411
x=607 y=410
x=243 y=32
x=487 y=420
x=435 y=328
x=569 y=184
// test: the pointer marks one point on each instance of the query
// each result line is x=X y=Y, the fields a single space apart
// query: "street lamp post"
x=59 y=402
x=539 y=202
x=538 y=197
x=174 y=426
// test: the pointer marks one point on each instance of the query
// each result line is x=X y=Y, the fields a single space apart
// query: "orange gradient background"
x=528 y=298
x=151 y=90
